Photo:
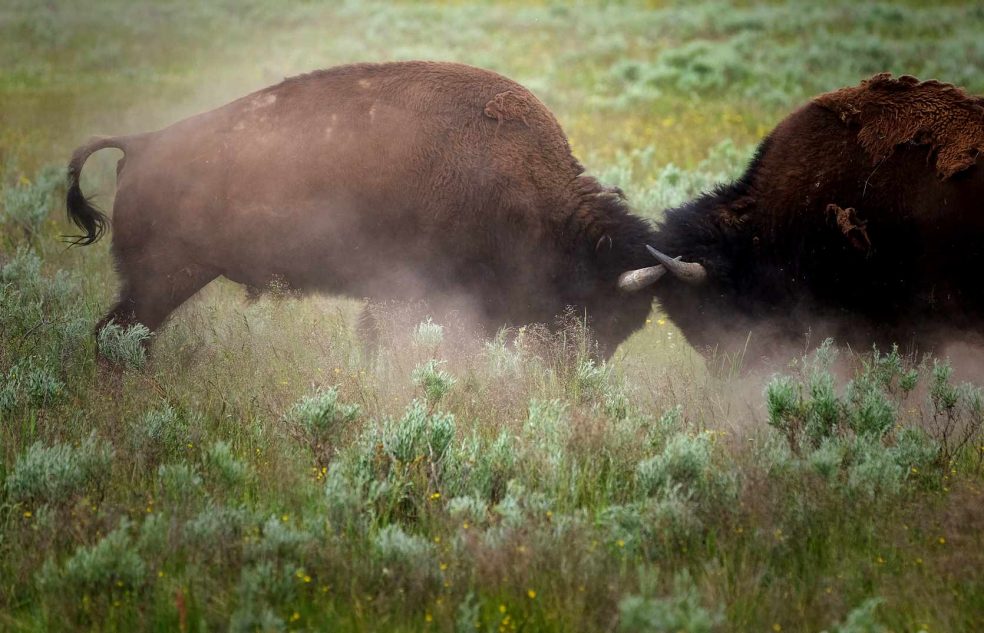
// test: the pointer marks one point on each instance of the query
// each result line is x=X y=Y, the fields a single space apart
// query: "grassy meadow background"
x=256 y=472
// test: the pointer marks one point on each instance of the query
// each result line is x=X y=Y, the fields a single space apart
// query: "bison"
x=396 y=181
x=444 y=182
x=861 y=217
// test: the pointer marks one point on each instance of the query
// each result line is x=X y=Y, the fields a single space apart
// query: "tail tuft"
x=84 y=215
x=81 y=211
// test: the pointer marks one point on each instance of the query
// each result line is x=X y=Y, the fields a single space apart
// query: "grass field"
x=257 y=473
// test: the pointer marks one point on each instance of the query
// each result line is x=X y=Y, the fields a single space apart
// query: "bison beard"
x=403 y=181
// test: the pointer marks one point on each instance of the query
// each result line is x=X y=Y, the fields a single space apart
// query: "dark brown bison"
x=861 y=217
x=402 y=181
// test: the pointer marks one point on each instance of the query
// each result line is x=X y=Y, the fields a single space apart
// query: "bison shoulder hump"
x=889 y=112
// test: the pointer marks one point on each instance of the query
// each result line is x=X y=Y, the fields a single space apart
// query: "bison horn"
x=633 y=280
x=690 y=272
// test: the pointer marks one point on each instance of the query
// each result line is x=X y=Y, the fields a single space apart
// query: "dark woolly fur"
x=617 y=237
x=709 y=228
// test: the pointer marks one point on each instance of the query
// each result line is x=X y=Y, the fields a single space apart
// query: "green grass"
x=256 y=472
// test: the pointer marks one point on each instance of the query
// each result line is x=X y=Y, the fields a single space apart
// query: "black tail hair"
x=81 y=211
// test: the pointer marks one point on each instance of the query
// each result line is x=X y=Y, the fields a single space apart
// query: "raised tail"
x=81 y=211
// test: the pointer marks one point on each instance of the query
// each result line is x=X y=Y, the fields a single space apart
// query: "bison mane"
x=890 y=112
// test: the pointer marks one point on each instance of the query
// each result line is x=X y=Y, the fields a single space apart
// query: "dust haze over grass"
x=258 y=473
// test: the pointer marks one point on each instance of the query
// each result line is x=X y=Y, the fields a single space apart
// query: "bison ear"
x=605 y=243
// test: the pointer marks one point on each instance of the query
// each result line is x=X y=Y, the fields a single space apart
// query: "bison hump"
x=890 y=112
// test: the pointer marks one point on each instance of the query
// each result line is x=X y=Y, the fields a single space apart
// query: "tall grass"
x=259 y=471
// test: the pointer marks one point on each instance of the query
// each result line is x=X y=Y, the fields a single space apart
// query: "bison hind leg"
x=149 y=296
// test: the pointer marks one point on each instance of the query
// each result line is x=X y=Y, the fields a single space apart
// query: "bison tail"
x=81 y=211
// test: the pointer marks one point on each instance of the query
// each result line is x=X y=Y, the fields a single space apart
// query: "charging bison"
x=861 y=217
x=404 y=181
x=437 y=181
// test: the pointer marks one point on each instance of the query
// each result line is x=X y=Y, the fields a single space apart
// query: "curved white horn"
x=690 y=272
x=633 y=280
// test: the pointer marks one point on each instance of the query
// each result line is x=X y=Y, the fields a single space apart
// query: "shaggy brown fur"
x=890 y=112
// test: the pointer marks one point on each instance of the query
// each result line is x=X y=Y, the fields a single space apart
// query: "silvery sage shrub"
x=178 y=482
x=29 y=383
x=56 y=474
x=862 y=619
x=159 y=433
x=42 y=316
x=318 y=419
x=223 y=468
x=681 y=611
x=262 y=589
x=957 y=413
x=485 y=467
x=504 y=359
x=435 y=382
x=809 y=410
x=419 y=434
x=685 y=464
x=469 y=508
x=26 y=204
x=124 y=346
x=110 y=564
x=428 y=335
x=407 y=559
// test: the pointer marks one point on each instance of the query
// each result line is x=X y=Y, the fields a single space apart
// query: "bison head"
x=708 y=273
